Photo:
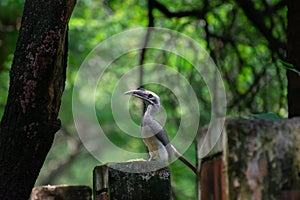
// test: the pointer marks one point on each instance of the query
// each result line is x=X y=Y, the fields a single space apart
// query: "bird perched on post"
x=153 y=133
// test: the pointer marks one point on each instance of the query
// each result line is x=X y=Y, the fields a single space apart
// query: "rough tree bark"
x=37 y=80
x=293 y=52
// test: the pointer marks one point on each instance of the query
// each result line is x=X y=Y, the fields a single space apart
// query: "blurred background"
x=246 y=40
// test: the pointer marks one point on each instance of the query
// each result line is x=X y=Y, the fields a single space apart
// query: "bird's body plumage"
x=156 y=139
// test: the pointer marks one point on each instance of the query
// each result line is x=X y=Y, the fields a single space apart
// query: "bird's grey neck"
x=151 y=110
x=148 y=116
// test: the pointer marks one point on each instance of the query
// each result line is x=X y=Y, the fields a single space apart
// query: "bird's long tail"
x=184 y=160
x=188 y=163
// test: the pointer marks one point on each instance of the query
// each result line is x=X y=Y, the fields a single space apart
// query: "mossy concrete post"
x=252 y=159
x=138 y=180
x=61 y=192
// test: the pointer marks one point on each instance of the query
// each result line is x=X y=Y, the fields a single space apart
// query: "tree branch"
x=256 y=17
x=279 y=5
x=146 y=40
x=185 y=13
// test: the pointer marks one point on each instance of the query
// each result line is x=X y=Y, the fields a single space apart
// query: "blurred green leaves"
x=250 y=69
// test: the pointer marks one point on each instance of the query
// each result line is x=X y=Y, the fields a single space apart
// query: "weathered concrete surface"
x=140 y=180
x=61 y=192
x=261 y=159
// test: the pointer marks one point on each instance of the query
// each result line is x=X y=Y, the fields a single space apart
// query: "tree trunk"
x=293 y=52
x=37 y=80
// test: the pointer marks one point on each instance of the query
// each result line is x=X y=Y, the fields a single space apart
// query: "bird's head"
x=150 y=98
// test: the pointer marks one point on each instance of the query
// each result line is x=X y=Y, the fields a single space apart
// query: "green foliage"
x=250 y=69
x=289 y=66
x=10 y=10
x=269 y=116
x=9 y=22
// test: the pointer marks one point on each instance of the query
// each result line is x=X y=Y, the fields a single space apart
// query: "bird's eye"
x=150 y=96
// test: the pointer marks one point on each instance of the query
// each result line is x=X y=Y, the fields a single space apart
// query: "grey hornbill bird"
x=153 y=133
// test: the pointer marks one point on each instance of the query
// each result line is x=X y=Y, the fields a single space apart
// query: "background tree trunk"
x=293 y=52
x=37 y=80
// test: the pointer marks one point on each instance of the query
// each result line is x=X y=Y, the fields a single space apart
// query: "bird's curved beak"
x=138 y=93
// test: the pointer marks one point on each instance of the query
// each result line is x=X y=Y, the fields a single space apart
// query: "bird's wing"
x=159 y=132
x=163 y=137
